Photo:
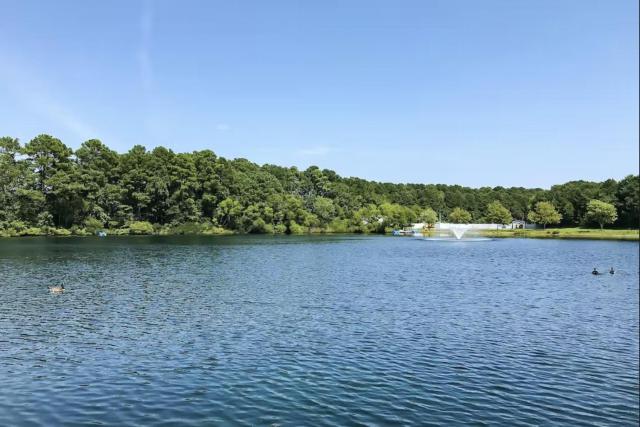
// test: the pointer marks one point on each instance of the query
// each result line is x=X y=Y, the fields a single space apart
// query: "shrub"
x=92 y=225
x=188 y=228
x=214 y=230
x=78 y=231
x=259 y=226
x=17 y=226
x=279 y=229
x=338 y=226
x=295 y=228
x=31 y=231
x=140 y=227
x=60 y=232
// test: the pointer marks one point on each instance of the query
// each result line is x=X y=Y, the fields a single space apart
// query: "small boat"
x=402 y=233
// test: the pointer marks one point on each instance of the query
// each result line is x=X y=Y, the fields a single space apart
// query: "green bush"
x=93 y=225
x=140 y=227
x=269 y=229
x=259 y=226
x=17 y=226
x=295 y=228
x=279 y=229
x=79 y=231
x=214 y=230
x=188 y=228
x=338 y=226
x=31 y=231
x=60 y=232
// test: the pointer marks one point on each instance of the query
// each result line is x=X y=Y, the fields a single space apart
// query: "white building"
x=417 y=227
x=448 y=226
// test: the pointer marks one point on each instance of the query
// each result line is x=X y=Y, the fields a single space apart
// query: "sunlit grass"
x=567 y=233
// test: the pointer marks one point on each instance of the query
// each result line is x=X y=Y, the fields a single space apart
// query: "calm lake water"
x=317 y=330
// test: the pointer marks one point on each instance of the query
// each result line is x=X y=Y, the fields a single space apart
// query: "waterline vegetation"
x=46 y=188
x=565 y=233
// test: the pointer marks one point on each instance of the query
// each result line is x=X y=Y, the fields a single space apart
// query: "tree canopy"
x=46 y=184
x=460 y=216
x=545 y=213
x=496 y=213
x=601 y=212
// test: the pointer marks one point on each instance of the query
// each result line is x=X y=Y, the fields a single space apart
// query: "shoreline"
x=566 y=234
x=551 y=233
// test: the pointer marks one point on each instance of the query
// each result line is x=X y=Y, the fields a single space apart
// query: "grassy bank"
x=566 y=233
x=143 y=228
x=207 y=229
x=132 y=229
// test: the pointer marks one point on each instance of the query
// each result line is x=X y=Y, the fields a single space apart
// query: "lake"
x=317 y=330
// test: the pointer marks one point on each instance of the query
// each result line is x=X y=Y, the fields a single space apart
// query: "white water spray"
x=458 y=230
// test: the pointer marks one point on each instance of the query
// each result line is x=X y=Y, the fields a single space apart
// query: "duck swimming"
x=56 y=289
x=595 y=271
x=612 y=271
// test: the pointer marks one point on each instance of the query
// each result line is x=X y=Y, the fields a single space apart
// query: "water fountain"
x=456 y=232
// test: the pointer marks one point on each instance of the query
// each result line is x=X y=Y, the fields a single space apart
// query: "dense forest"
x=47 y=188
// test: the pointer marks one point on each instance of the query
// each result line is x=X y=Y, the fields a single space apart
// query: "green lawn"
x=567 y=233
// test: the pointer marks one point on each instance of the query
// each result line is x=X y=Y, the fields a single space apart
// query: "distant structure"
x=516 y=224
x=448 y=226
x=520 y=224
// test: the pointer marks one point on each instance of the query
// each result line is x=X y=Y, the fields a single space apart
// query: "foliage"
x=566 y=233
x=140 y=227
x=545 y=213
x=627 y=200
x=498 y=214
x=459 y=216
x=601 y=212
x=45 y=187
x=429 y=217
x=93 y=225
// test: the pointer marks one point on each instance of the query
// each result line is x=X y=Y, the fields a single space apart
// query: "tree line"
x=48 y=188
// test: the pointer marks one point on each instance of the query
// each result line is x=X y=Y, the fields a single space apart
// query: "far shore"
x=549 y=233
x=566 y=233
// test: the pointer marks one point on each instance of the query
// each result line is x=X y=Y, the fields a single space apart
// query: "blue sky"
x=512 y=93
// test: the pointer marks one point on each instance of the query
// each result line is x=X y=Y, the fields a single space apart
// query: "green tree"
x=628 y=201
x=367 y=219
x=498 y=214
x=429 y=217
x=93 y=225
x=395 y=215
x=135 y=175
x=601 y=212
x=459 y=216
x=324 y=209
x=228 y=213
x=13 y=178
x=47 y=155
x=545 y=213
x=42 y=185
x=98 y=169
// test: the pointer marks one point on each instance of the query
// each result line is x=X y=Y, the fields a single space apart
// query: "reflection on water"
x=317 y=331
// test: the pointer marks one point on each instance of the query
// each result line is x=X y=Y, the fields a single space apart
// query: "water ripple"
x=317 y=331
